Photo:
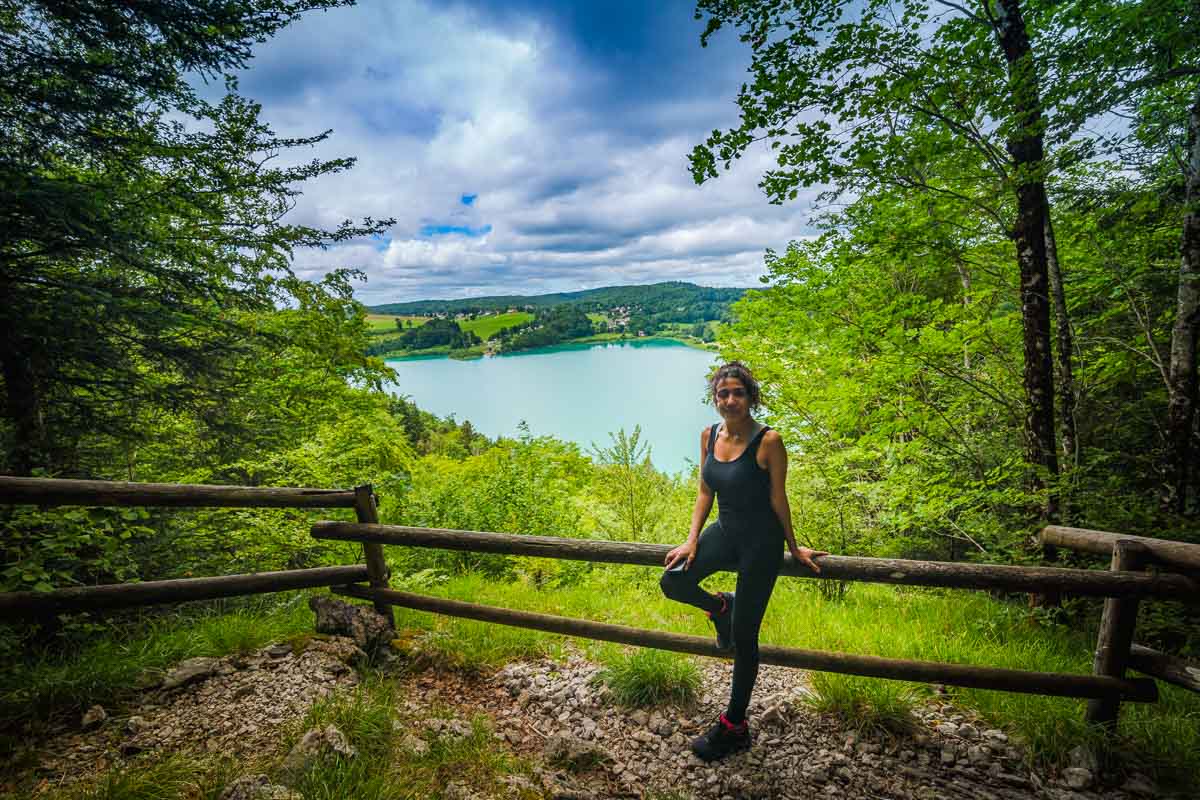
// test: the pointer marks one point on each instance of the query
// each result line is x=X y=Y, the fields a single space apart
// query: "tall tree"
x=854 y=95
x=130 y=240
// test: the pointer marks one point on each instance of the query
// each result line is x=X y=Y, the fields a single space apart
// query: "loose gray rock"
x=457 y=791
x=191 y=670
x=571 y=752
x=136 y=724
x=414 y=744
x=1078 y=778
x=279 y=650
x=1083 y=758
x=369 y=630
x=93 y=717
x=257 y=787
x=1138 y=784
x=315 y=745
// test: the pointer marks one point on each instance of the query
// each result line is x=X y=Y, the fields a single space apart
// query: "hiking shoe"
x=721 y=740
x=723 y=622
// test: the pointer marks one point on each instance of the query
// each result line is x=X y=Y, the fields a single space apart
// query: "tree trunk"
x=29 y=446
x=1181 y=407
x=1026 y=149
x=1066 y=346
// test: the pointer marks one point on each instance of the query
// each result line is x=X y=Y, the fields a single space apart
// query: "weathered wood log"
x=1171 y=669
x=876 y=570
x=368 y=513
x=15 y=605
x=1010 y=680
x=63 y=492
x=1184 y=555
x=1116 y=634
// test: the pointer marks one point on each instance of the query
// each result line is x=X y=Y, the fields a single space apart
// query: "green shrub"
x=651 y=677
x=868 y=705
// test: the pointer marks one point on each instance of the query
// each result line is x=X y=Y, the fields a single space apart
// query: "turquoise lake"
x=579 y=393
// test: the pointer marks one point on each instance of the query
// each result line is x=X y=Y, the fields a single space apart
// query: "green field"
x=483 y=327
x=379 y=324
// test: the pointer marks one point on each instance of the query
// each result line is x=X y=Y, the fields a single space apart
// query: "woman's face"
x=732 y=399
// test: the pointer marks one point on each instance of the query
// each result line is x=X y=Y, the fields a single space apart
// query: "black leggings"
x=754 y=548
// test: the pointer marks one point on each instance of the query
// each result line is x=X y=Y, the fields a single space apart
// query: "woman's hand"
x=685 y=551
x=805 y=556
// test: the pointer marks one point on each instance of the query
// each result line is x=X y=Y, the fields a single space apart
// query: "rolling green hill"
x=684 y=299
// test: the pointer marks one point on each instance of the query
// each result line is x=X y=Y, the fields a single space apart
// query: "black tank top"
x=743 y=488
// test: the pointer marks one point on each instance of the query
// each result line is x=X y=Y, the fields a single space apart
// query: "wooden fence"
x=56 y=492
x=1175 y=576
x=1124 y=586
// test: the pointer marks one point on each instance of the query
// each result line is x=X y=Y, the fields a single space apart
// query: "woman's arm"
x=700 y=512
x=775 y=455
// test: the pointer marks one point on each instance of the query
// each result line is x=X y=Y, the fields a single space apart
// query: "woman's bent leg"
x=714 y=551
x=757 y=572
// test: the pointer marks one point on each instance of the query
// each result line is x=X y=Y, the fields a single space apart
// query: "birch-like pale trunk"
x=1181 y=406
x=1066 y=345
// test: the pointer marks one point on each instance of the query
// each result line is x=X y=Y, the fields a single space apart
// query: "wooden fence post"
x=1116 y=633
x=377 y=569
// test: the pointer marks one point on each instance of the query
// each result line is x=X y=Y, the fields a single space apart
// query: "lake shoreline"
x=581 y=342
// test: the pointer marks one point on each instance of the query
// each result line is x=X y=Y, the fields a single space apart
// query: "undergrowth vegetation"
x=960 y=627
x=647 y=677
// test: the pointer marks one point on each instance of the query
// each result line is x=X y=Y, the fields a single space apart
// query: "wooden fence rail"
x=1182 y=555
x=126 y=595
x=1009 y=680
x=876 y=570
x=1172 y=669
x=66 y=492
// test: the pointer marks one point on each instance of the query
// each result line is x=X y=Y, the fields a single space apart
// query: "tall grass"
x=647 y=678
x=862 y=704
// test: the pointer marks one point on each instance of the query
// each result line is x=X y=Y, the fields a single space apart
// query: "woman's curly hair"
x=740 y=372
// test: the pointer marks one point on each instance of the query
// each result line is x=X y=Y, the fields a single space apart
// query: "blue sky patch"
x=461 y=230
x=468 y=199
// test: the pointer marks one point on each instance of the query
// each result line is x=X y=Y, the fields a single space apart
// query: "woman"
x=744 y=465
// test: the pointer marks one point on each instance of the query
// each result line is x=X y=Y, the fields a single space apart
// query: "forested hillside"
x=682 y=311
x=656 y=298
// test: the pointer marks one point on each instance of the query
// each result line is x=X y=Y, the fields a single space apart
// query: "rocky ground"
x=554 y=708
x=235 y=705
x=558 y=716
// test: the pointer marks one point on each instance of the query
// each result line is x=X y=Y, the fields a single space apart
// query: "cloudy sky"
x=522 y=146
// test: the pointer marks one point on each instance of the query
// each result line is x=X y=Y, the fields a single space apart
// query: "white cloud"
x=439 y=101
